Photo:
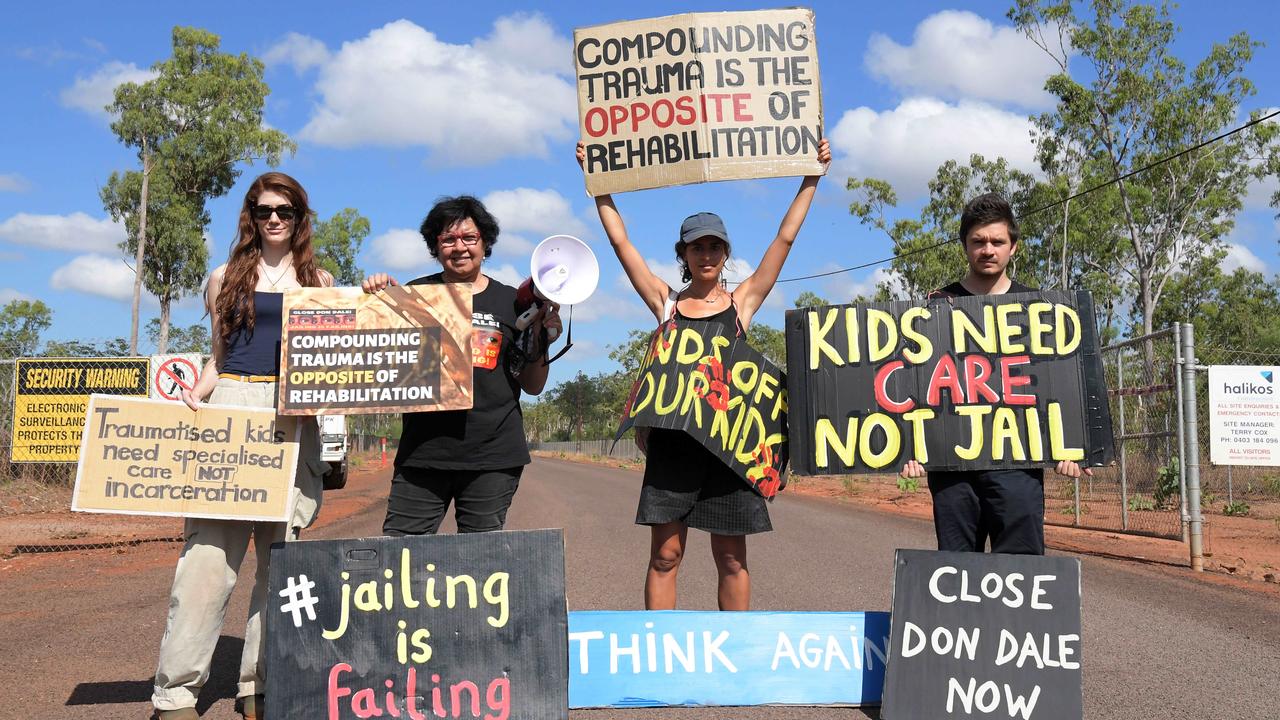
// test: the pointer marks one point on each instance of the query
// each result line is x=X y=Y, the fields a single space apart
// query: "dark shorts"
x=685 y=482
x=421 y=496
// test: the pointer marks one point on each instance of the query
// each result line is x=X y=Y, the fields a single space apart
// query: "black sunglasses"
x=263 y=212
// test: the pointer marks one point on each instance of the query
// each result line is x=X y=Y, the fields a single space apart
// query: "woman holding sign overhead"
x=244 y=298
x=685 y=485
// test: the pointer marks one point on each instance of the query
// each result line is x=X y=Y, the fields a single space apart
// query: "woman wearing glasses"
x=685 y=485
x=472 y=458
x=244 y=300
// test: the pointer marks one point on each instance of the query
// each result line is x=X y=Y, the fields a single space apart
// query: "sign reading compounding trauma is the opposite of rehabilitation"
x=698 y=97
x=402 y=349
x=964 y=383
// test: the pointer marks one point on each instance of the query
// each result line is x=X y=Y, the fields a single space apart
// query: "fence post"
x=1182 y=435
x=1124 y=470
x=1192 y=437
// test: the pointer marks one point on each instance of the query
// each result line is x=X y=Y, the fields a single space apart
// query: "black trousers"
x=421 y=496
x=1006 y=506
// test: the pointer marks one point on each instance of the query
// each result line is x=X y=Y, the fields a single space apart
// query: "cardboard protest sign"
x=52 y=394
x=402 y=349
x=654 y=659
x=152 y=457
x=437 y=626
x=984 y=635
x=1244 y=415
x=714 y=386
x=965 y=383
x=698 y=97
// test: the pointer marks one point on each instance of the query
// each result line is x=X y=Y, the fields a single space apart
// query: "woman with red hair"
x=244 y=297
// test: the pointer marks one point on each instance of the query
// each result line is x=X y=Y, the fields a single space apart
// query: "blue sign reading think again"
x=652 y=659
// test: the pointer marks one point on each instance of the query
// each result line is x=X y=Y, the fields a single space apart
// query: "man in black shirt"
x=1007 y=505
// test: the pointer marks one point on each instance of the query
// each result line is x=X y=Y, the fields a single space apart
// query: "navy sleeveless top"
x=257 y=352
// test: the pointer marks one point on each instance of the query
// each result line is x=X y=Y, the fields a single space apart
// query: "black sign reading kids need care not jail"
x=964 y=383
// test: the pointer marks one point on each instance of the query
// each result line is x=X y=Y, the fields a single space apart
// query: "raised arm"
x=751 y=293
x=652 y=290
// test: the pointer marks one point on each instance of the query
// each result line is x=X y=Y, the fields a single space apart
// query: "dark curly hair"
x=449 y=211
x=987 y=209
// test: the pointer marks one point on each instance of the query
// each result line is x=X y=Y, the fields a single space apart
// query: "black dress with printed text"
x=686 y=482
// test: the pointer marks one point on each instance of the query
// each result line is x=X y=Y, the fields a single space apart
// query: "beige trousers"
x=210 y=561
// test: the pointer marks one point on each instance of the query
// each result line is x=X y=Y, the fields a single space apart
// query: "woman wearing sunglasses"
x=272 y=253
x=685 y=485
x=472 y=458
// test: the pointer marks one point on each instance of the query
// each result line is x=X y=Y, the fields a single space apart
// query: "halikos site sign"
x=402 y=349
x=963 y=383
x=698 y=97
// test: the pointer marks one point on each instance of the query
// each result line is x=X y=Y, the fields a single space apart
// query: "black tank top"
x=257 y=352
x=727 y=317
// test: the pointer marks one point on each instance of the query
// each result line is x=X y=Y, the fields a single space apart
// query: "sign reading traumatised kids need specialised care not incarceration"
x=708 y=382
x=698 y=97
x=962 y=383
x=402 y=349
x=443 y=626
x=981 y=635
x=152 y=457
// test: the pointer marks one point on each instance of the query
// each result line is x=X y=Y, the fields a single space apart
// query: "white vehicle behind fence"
x=333 y=440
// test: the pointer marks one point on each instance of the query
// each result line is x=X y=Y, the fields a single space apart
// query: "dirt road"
x=80 y=630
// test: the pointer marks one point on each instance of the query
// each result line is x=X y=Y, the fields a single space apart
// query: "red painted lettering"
x=1010 y=382
x=882 y=392
x=977 y=371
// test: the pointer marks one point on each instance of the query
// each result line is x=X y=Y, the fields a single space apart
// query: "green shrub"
x=1239 y=508
x=1138 y=503
x=1168 y=487
x=908 y=485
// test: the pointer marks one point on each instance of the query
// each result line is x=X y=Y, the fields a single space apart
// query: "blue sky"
x=376 y=134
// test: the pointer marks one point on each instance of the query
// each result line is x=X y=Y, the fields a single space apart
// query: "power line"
x=1052 y=205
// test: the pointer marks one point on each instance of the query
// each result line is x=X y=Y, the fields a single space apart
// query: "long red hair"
x=234 y=305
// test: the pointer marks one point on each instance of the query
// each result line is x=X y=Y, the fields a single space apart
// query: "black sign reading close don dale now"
x=440 y=626
x=964 y=383
x=980 y=635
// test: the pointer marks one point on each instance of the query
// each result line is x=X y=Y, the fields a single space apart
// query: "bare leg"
x=666 y=549
x=730 y=553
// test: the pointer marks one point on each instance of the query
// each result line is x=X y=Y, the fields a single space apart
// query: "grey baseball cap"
x=703 y=224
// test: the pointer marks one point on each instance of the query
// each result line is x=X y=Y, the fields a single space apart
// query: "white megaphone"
x=563 y=270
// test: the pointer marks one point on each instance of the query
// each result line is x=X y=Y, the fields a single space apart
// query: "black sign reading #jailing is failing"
x=714 y=386
x=964 y=383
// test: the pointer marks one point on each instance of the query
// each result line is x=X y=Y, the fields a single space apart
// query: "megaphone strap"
x=568 y=341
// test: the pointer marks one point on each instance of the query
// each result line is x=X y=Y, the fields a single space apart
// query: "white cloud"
x=8 y=295
x=300 y=51
x=958 y=55
x=94 y=93
x=906 y=145
x=401 y=86
x=1239 y=256
x=400 y=249
x=76 y=231
x=13 y=182
x=505 y=273
x=540 y=213
x=528 y=41
x=605 y=303
x=99 y=275
x=844 y=288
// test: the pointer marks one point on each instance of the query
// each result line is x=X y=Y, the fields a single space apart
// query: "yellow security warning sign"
x=52 y=395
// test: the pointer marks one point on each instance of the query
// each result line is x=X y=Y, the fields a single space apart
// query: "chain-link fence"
x=1142 y=492
x=625 y=449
